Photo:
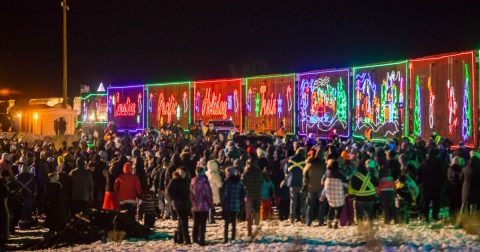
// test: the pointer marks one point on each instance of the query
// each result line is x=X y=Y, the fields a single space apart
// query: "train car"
x=443 y=97
x=93 y=108
x=126 y=107
x=323 y=99
x=220 y=99
x=270 y=103
x=168 y=103
x=380 y=98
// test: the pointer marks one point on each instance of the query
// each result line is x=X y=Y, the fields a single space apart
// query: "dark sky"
x=125 y=41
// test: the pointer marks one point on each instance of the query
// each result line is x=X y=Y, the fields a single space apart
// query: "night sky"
x=134 y=41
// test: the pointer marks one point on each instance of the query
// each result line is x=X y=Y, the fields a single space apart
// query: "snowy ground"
x=284 y=236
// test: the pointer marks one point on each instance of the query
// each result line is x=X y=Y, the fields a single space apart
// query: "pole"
x=64 y=10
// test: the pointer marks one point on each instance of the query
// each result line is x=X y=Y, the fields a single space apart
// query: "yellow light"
x=35 y=115
x=19 y=115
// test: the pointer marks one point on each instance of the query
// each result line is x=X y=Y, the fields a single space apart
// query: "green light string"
x=341 y=103
x=417 y=124
x=467 y=110
x=257 y=105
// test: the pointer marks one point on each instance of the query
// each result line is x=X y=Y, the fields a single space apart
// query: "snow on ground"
x=283 y=236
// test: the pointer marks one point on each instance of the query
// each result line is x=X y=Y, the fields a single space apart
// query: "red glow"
x=213 y=105
x=167 y=107
x=269 y=104
x=442 y=56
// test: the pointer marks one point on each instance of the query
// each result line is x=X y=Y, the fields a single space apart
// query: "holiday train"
x=375 y=102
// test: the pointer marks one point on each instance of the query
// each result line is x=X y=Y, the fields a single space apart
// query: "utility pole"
x=64 y=10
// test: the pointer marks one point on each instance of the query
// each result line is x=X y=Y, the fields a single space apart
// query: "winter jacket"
x=149 y=202
x=179 y=192
x=28 y=184
x=312 y=175
x=253 y=181
x=268 y=190
x=233 y=192
x=335 y=187
x=82 y=184
x=453 y=177
x=386 y=184
x=294 y=171
x=215 y=180
x=127 y=186
x=140 y=172
x=200 y=194
x=432 y=175
x=362 y=186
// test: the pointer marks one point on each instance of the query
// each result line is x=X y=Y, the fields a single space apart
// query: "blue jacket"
x=233 y=192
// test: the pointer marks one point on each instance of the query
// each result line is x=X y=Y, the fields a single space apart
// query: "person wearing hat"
x=462 y=152
x=215 y=180
x=179 y=192
x=233 y=191
x=202 y=201
x=128 y=189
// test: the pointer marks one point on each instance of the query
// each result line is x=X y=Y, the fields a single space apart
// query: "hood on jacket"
x=5 y=156
x=212 y=166
x=127 y=168
x=175 y=160
x=459 y=161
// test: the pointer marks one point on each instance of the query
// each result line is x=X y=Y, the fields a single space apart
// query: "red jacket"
x=386 y=184
x=127 y=185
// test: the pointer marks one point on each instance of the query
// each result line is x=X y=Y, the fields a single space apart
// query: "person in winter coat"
x=386 y=190
x=82 y=187
x=215 y=180
x=454 y=185
x=128 y=188
x=432 y=177
x=335 y=188
x=362 y=187
x=55 y=205
x=148 y=208
x=268 y=196
x=202 y=201
x=312 y=182
x=175 y=163
x=179 y=191
x=139 y=165
x=393 y=164
x=233 y=193
x=4 y=213
x=28 y=193
x=253 y=180
x=99 y=166
x=5 y=165
x=294 y=176
x=470 y=188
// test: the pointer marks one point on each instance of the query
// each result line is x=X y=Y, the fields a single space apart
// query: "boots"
x=329 y=224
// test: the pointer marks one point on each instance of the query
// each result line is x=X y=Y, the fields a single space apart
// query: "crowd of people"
x=170 y=174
